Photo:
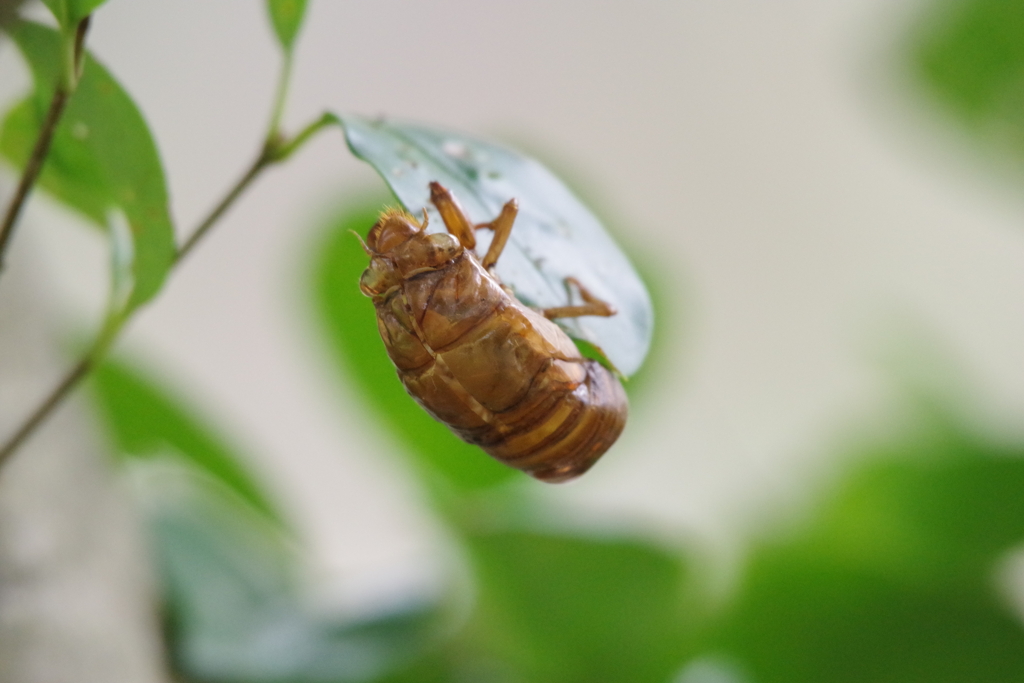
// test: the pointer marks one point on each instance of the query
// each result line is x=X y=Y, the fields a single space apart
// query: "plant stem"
x=61 y=94
x=83 y=367
x=282 y=94
x=261 y=162
x=56 y=397
x=282 y=151
x=274 y=151
x=32 y=168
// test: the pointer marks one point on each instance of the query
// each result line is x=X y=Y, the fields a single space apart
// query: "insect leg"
x=593 y=305
x=502 y=227
x=452 y=214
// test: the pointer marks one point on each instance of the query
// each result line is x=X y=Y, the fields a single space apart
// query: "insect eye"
x=444 y=244
x=375 y=279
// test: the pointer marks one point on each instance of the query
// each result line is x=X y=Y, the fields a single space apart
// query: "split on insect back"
x=465 y=297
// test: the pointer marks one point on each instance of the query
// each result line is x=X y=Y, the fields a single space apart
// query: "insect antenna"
x=362 y=243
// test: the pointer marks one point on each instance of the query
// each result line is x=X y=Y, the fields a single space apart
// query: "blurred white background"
x=806 y=215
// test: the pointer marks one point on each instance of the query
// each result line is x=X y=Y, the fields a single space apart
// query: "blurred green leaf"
x=894 y=579
x=102 y=156
x=144 y=421
x=555 y=236
x=286 y=16
x=970 y=56
x=70 y=173
x=69 y=12
x=83 y=8
x=234 y=609
x=563 y=608
x=350 y=324
x=566 y=609
x=810 y=619
x=235 y=614
x=60 y=10
x=943 y=516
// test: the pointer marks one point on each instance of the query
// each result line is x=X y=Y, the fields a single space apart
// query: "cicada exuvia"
x=500 y=374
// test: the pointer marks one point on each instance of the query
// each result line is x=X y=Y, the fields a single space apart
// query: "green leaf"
x=102 y=157
x=565 y=609
x=144 y=421
x=69 y=12
x=894 y=579
x=555 y=236
x=804 y=620
x=60 y=10
x=229 y=579
x=970 y=56
x=235 y=613
x=70 y=173
x=350 y=324
x=83 y=8
x=286 y=16
x=574 y=610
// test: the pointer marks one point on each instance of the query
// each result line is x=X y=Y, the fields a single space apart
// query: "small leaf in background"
x=286 y=16
x=970 y=56
x=230 y=578
x=350 y=323
x=146 y=421
x=60 y=10
x=555 y=236
x=70 y=173
x=576 y=610
x=102 y=157
x=83 y=8
x=893 y=579
x=69 y=12
x=236 y=614
x=567 y=609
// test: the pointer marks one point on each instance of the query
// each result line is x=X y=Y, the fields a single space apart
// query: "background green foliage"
x=892 y=578
x=70 y=12
x=145 y=422
x=969 y=55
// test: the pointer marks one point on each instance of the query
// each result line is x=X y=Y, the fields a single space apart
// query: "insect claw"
x=592 y=305
x=426 y=219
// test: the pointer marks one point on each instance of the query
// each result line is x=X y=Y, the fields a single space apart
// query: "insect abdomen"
x=567 y=430
x=498 y=374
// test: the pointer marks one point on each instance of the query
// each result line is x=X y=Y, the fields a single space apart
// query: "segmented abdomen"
x=500 y=375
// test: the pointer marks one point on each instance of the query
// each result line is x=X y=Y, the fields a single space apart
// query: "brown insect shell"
x=499 y=374
x=396 y=256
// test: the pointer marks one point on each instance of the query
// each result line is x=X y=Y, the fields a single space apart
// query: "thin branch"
x=61 y=94
x=280 y=96
x=32 y=168
x=273 y=152
x=284 y=150
x=261 y=162
x=56 y=397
